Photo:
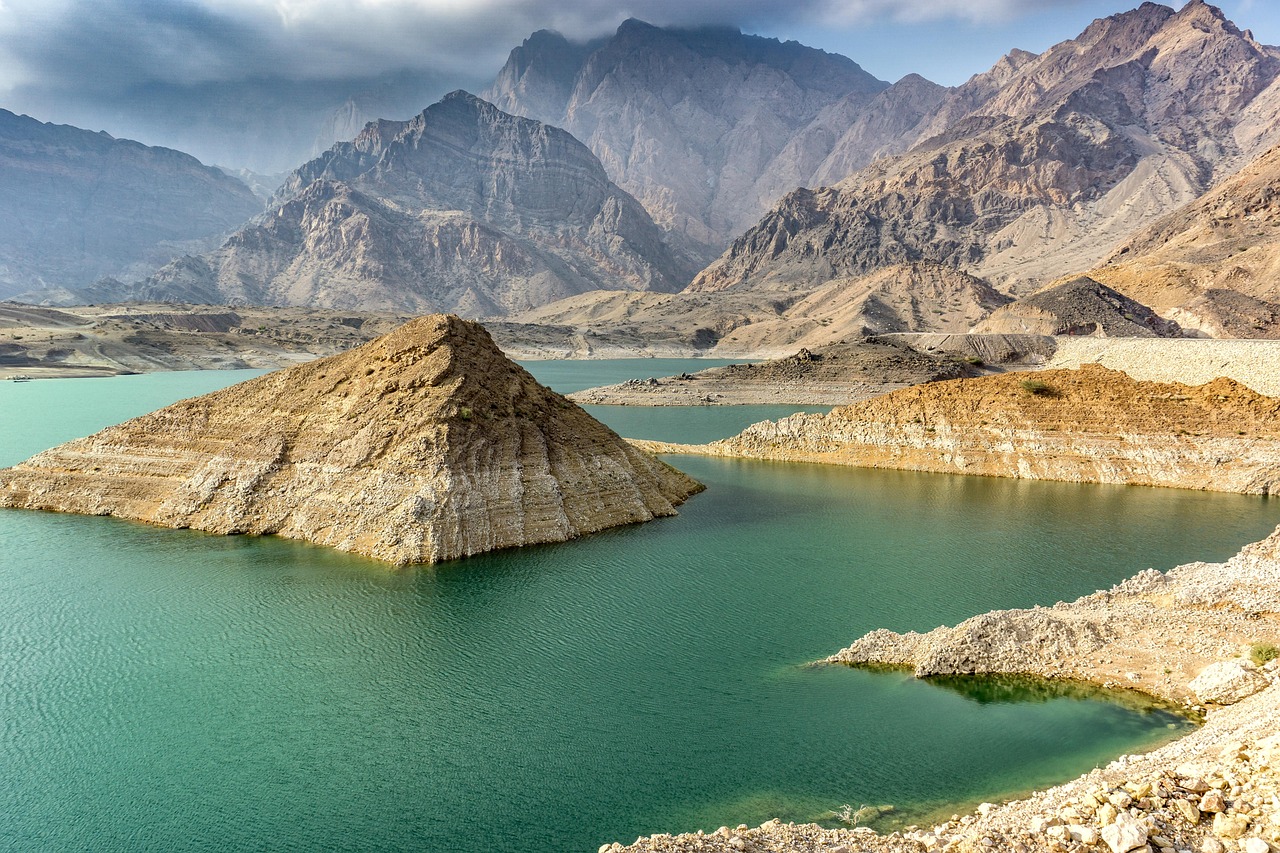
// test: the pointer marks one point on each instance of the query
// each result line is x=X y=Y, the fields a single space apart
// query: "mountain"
x=1040 y=165
x=79 y=205
x=695 y=123
x=1080 y=306
x=426 y=444
x=463 y=208
x=1213 y=265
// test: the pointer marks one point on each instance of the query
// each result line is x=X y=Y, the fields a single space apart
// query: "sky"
x=180 y=72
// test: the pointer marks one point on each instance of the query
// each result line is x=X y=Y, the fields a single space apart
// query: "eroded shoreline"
x=1217 y=789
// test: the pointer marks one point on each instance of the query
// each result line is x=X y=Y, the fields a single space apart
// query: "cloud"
x=106 y=44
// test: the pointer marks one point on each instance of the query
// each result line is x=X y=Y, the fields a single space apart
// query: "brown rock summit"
x=1080 y=306
x=426 y=444
x=1091 y=425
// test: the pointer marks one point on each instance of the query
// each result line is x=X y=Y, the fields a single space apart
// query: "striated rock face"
x=1089 y=425
x=1080 y=306
x=1213 y=265
x=706 y=127
x=463 y=208
x=426 y=444
x=1042 y=162
x=78 y=205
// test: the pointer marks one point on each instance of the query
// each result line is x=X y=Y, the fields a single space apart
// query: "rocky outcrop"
x=463 y=208
x=426 y=444
x=831 y=375
x=78 y=205
x=1080 y=306
x=706 y=127
x=1213 y=265
x=1174 y=635
x=1042 y=162
x=1091 y=425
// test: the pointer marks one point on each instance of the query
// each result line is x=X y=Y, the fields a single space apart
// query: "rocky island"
x=424 y=445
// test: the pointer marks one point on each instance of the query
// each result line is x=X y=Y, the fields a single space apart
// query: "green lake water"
x=170 y=690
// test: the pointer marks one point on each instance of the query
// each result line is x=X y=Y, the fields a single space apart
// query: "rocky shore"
x=1091 y=425
x=1200 y=633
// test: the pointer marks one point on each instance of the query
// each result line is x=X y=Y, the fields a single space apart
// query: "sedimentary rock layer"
x=426 y=444
x=1090 y=425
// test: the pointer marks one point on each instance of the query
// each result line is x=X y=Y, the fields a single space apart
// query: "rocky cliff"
x=426 y=444
x=1043 y=162
x=78 y=205
x=706 y=127
x=463 y=208
x=1090 y=425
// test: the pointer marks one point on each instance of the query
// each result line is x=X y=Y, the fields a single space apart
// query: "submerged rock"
x=423 y=445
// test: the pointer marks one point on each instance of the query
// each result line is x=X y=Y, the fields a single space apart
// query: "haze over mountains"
x=822 y=197
x=77 y=206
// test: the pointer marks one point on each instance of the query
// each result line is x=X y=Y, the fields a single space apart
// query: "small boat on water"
x=18 y=377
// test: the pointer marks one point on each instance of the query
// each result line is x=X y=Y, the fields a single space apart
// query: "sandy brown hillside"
x=426 y=444
x=1214 y=265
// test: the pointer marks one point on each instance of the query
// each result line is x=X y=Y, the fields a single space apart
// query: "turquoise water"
x=170 y=690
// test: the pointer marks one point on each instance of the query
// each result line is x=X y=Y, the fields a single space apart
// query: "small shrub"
x=465 y=413
x=1263 y=652
x=1036 y=387
x=974 y=360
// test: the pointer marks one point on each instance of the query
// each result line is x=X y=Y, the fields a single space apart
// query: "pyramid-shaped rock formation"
x=426 y=444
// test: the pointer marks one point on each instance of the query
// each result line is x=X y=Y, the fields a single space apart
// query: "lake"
x=173 y=690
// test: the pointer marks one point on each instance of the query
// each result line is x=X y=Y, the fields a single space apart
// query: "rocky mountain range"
x=78 y=206
x=919 y=208
x=705 y=127
x=463 y=208
x=1039 y=166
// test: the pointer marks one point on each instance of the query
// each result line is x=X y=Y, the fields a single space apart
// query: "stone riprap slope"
x=1091 y=425
x=424 y=445
x=832 y=375
x=1193 y=361
x=1180 y=635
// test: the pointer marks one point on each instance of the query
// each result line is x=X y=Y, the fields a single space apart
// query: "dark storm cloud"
x=117 y=44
